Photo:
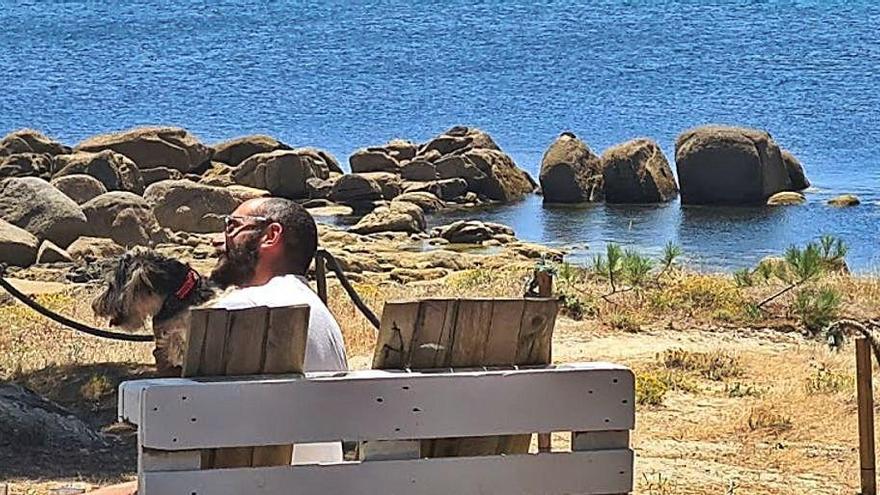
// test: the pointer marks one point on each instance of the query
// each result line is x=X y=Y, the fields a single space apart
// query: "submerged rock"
x=471 y=231
x=786 y=198
x=637 y=172
x=570 y=172
x=795 y=170
x=845 y=200
x=396 y=217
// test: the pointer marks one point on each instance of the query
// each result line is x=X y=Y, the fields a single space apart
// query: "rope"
x=352 y=294
x=63 y=320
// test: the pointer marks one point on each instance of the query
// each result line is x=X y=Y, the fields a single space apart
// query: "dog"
x=145 y=288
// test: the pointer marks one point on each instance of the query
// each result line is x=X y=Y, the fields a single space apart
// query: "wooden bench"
x=394 y=410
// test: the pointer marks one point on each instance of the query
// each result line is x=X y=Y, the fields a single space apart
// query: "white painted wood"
x=379 y=405
x=599 y=440
x=601 y=472
x=128 y=398
x=384 y=450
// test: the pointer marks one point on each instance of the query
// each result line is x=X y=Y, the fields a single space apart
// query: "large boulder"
x=187 y=206
x=27 y=165
x=396 y=217
x=458 y=140
x=504 y=181
x=151 y=147
x=471 y=231
x=218 y=174
x=570 y=172
x=91 y=248
x=373 y=160
x=729 y=165
x=389 y=183
x=283 y=173
x=354 y=188
x=116 y=171
x=36 y=206
x=156 y=174
x=795 y=170
x=30 y=141
x=18 y=247
x=637 y=172
x=78 y=187
x=50 y=253
x=424 y=200
x=329 y=161
x=237 y=150
x=419 y=170
x=125 y=217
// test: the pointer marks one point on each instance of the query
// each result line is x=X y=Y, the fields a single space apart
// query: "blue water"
x=341 y=75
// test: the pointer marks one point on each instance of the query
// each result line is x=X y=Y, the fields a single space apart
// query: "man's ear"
x=272 y=235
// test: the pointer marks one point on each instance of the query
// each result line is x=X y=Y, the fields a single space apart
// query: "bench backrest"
x=251 y=341
x=595 y=401
x=444 y=333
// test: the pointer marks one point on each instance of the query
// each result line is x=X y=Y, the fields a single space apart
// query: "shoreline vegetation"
x=738 y=390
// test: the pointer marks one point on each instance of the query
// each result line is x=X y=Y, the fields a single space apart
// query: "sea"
x=344 y=75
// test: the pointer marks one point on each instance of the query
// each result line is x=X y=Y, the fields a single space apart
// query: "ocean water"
x=342 y=75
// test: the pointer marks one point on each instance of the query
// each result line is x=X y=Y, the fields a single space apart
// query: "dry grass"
x=723 y=407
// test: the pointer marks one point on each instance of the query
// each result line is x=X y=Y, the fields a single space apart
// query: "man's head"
x=265 y=237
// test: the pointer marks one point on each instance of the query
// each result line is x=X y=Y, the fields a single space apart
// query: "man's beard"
x=237 y=263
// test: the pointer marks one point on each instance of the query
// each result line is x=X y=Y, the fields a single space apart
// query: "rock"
x=27 y=165
x=218 y=174
x=319 y=188
x=36 y=206
x=353 y=188
x=505 y=181
x=795 y=170
x=419 y=170
x=536 y=251
x=30 y=421
x=115 y=171
x=321 y=156
x=156 y=174
x=283 y=173
x=124 y=217
x=431 y=187
x=372 y=160
x=80 y=188
x=637 y=172
x=457 y=167
x=570 y=172
x=424 y=200
x=845 y=200
x=470 y=231
x=18 y=247
x=331 y=211
x=389 y=183
x=30 y=141
x=397 y=217
x=430 y=156
x=451 y=189
x=183 y=205
x=786 y=198
x=90 y=248
x=50 y=253
x=407 y=275
x=400 y=149
x=458 y=139
x=151 y=147
x=729 y=165
x=237 y=150
x=245 y=193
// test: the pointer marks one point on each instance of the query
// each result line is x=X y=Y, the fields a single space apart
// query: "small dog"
x=145 y=285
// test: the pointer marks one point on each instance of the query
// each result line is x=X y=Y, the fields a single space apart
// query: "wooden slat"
x=212 y=361
x=428 y=347
x=399 y=321
x=599 y=440
x=379 y=405
x=601 y=472
x=195 y=341
x=284 y=352
x=245 y=341
x=471 y=332
x=383 y=450
x=536 y=331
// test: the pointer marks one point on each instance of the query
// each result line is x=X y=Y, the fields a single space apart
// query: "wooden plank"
x=545 y=289
x=383 y=450
x=214 y=352
x=399 y=320
x=536 y=332
x=600 y=472
x=195 y=341
x=599 y=440
x=428 y=347
x=285 y=352
x=471 y=332
x=321 y=277
x=865 y=398
x=168 y=460
x=387 y=406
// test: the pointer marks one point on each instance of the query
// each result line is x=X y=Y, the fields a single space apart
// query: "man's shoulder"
x=282 y=290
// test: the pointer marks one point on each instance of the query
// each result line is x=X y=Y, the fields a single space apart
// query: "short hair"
x=300 y=234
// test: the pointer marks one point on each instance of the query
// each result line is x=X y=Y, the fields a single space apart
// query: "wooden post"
x=321 y=277
x=866 y=417
x=545 y=289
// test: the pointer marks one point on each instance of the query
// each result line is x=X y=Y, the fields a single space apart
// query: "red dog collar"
x=189 y=283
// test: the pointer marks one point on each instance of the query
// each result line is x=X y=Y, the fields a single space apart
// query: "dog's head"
x=137 y=287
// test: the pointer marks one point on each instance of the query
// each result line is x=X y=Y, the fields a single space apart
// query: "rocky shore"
x=162 y=187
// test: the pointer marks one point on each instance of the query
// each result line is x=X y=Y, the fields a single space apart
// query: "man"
x=265 y=251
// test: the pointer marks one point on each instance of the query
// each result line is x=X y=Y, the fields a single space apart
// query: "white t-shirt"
x=325 y=349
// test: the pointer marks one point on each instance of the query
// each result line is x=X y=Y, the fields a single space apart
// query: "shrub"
x=765 y=418
x=625 y=322
x=743 y=278
x=650 y=390
x=636 y=268
x=739 y=389
x=715 y=365
x=816 y=308
x=826 y=381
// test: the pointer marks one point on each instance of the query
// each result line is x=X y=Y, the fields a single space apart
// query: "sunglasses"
x=233 y=223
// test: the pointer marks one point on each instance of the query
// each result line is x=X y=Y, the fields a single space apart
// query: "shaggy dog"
x=146 y=288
